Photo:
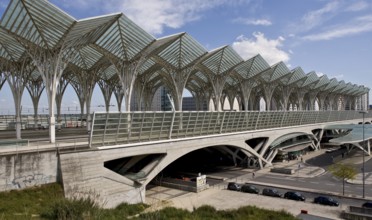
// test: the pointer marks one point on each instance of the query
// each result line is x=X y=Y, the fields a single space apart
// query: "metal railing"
x=135 y=127
x=8 y=122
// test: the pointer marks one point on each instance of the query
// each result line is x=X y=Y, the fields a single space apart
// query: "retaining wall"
x=23 y=170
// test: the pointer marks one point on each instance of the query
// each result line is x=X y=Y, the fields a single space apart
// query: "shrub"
x=72 y=209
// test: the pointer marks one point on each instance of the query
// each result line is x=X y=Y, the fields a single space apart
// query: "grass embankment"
x=47 y=202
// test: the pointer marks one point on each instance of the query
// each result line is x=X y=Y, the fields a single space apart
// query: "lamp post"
x=363 y=172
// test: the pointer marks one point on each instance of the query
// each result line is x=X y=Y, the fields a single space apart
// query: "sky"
x=332 y=37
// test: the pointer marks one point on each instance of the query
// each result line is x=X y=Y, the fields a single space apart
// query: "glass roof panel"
x=4 y=53
x=16 y=13
x=125 y=39
x=252 y=67
x=37 y=21
x=280 y=70
x=89 y=30
x=108 y=73
x=182 y=52
x=311 y=78
x=362 y=90
x=147 y=65
x=10 y=47
x=35 y=75
x=348 y=88
x=202 y=76
x=231 y=81
x=154 y=75
x=222 y=60
x=323 y=81
x=341 y=85
x=297 y=75
x=90 y=56
x=332 y=84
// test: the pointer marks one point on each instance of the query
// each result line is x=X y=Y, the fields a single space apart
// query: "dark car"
x=249 y=189
x=367 y=205
x=271 y=192
x=233 y=186
x=325 y=201
x=294 y=196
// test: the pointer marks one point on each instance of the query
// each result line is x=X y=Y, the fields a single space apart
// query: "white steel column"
x=286 y=92
x=51 y=67
x=35 y=89
x=17 y=82
x=127 y=72
x=119 y=95
x=107 y=90
x=268 y=94
x=61 y=88
x=218 y=83
x=246 y=87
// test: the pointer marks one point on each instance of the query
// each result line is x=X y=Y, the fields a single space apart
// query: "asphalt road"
x=310 y=196
x=324 y=184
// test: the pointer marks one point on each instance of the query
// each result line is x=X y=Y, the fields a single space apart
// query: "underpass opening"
x=290 y=146
x=202 y=168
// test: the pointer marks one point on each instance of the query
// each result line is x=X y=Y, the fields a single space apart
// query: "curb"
x=310 y=191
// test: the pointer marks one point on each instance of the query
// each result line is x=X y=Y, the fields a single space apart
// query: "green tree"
x=343 y=172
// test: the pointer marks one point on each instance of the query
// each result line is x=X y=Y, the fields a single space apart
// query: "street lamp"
x=363 y=112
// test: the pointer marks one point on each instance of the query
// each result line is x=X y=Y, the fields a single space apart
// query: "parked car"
x=271 y=192
x=324 y=200
x=233 y=186
x=367 y=204
x=249 y=189
x=294 y=196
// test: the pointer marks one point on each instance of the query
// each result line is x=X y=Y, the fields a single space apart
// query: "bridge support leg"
x=318 y=135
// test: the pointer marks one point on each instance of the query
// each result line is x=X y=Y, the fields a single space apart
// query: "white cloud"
x=155 y=15
x=338 y=77
x=319 y=74
x=268 y=48
x=358 y=25
x=316 y=18
x=81 y=4
x=357 y=6
x=250 y=21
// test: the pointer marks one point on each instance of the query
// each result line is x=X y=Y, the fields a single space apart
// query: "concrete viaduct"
x=84 y=173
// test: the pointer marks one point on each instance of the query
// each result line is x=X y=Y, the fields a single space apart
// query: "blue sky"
x=332 y=37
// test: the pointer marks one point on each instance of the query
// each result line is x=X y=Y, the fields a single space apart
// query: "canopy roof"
x=100 y=42
x=355 y=135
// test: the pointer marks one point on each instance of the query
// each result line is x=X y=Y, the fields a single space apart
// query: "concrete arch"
x=169 y=159
x=173 y=155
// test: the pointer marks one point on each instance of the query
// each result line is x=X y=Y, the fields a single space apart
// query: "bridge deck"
x=126 y=128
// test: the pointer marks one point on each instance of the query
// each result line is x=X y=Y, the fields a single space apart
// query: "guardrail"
x=8 y=122
x=135 y=127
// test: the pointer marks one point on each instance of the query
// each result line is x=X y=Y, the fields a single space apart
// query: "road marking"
x=280 y=178
x=330 y=184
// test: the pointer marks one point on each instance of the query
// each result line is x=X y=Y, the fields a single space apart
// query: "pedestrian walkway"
x=299 y=167
x=356 y=158
x=304 y=170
